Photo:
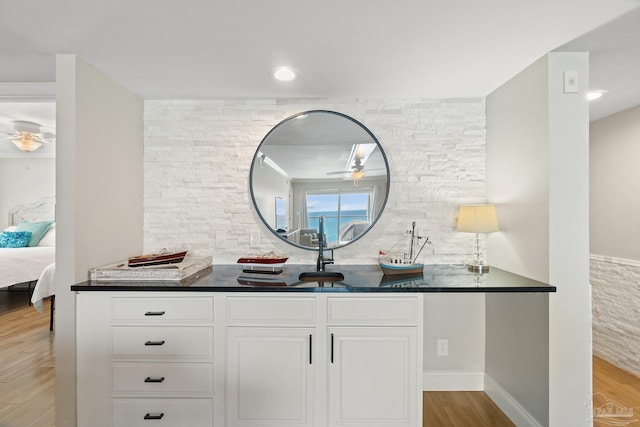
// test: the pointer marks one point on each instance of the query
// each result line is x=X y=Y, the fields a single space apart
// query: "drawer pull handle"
x=154 y=313
x=153 y=380
x=154 y=343
x=154 y=416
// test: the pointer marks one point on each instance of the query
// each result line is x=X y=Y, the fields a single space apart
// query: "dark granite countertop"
x=357 y=278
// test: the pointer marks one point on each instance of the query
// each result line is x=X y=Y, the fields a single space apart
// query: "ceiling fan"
x=27 y=136
x=355 y=166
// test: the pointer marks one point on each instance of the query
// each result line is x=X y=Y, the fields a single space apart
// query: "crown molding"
x=27 y=91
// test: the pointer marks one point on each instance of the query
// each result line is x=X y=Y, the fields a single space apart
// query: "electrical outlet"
x=443 y=347
x=254 y=240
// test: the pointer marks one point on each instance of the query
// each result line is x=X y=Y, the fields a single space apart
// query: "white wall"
x=614 y=204
x=518 y=173
x=570 y=351
x=518 y=183
x=615 y=253
x=552 y=242
x=24 y=181
x=269 y=184
x=197 y=159
x=99 y=196
x=517 y=355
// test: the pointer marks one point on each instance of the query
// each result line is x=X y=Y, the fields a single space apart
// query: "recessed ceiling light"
x=284 y=74
x=595 y=94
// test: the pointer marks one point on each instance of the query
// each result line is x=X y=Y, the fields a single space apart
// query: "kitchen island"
x=229 y=348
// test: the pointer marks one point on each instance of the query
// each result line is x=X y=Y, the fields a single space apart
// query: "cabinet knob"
x=150 y=416
x=154 y=342
x=153 y=380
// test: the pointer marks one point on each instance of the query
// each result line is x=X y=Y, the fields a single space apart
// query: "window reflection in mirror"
x=319 y=163
x=281 y=215
x=347 y=213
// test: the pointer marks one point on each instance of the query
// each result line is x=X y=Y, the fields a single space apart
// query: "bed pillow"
x=14 y=239
x=49 y=238
x=37 y=229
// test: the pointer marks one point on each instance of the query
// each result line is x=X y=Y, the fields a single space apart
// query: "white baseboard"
x=453 y=381
x=507 y=404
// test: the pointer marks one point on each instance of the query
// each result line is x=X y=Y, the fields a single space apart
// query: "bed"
x=25 y=265
x=45 y=288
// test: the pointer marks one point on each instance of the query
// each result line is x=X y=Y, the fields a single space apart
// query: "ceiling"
x=341 y=48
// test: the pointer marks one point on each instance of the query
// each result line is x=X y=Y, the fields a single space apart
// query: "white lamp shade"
x=477 y=219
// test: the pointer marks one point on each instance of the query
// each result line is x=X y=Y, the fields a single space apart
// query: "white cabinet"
x=270 y=376
x=145 y=359
x=373 y=376
x=375 y=360
x=330 y=361
x=249 y=359
x=271 y=364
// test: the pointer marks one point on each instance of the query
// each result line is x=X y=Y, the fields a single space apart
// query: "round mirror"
x=319 y=164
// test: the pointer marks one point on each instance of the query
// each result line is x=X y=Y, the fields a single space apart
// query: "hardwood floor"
x=611 y=384
x=27 y=378
x=461 y=409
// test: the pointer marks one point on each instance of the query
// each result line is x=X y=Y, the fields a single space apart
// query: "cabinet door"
x=270 y=375
x=372 y=376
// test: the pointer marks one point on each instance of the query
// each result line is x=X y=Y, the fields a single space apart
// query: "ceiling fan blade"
x=338 y=172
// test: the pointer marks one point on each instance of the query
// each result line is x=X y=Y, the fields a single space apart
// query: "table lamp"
x=477 y=219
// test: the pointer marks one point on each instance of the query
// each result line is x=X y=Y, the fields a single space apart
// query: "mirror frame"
x=255 y=161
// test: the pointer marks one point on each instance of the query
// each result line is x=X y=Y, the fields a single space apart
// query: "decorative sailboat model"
x=405 y=263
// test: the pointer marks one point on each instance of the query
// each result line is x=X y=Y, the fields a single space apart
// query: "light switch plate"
x=570 y=81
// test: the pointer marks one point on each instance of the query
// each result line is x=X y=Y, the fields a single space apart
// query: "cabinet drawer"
x=373 y=311
x=161 y=310
x=162 y=412
x=277 y=310
x=173 y=379
x=162 y=342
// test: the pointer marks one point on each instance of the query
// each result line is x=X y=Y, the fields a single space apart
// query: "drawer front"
x=161 y=310
x=162 y=412
x=182 y=342
x=269 y=310
x=373 y=311
x=175 y=379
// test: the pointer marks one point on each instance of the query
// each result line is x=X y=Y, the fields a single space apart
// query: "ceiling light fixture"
x=27 y=136
x=359 y=154
x=26 y=142
x=284 y=74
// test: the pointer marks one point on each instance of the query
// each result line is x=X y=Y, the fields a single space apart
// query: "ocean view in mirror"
x=337 y=226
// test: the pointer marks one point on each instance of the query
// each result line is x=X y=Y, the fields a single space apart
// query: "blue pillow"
x=37 y=229
x=14 y=239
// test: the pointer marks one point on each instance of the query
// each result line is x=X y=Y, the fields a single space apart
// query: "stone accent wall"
x=615 y=285
x=197 y=156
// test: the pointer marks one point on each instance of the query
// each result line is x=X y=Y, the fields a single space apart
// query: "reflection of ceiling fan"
x=355 y=166
x=27 y=136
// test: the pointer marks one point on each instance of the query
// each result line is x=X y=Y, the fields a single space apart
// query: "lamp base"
x=478 y=268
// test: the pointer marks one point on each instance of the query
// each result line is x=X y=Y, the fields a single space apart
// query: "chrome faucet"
x=322 y=261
